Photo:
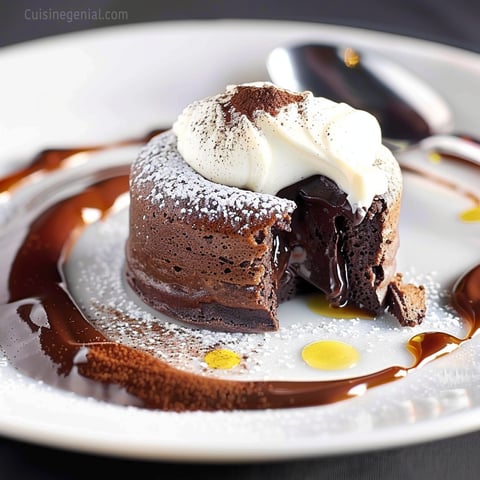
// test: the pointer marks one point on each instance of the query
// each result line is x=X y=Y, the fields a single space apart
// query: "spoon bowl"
x=411 y=114
x=405 y=107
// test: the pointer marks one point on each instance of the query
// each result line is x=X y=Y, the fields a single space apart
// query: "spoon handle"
x=454 y=145
x=451 y=160
x=463 y=147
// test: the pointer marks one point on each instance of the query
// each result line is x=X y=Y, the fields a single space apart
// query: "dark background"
x=456 y=22
x=452 y=22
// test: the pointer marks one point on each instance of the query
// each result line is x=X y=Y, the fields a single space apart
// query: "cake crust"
x=199 y=251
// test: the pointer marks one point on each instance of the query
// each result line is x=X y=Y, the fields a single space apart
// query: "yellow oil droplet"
x=318 y=304
x=330 y=355
x=434 y=157
x=222 y=359
x=471 y=215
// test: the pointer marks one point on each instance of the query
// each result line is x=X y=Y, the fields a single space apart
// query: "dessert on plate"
x=257 y=195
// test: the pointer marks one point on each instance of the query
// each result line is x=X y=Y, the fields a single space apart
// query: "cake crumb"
x=406 y=301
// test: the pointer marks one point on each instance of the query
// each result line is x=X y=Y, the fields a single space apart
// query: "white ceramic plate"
x=121 y=82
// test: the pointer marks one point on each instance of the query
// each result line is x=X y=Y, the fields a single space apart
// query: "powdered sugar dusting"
x=95 y=277
x=165 y=179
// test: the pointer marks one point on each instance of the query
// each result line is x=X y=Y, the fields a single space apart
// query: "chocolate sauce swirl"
x=46 y=336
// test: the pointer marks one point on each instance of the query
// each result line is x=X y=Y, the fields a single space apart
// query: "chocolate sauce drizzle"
x=46 y=336
x=53 y=159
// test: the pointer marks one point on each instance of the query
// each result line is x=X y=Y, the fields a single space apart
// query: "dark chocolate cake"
x=202 y=252
x=223 y=257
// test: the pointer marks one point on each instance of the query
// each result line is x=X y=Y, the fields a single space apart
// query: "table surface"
x=454 y=23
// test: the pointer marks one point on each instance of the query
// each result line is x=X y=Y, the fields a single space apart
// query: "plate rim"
x=67 y=440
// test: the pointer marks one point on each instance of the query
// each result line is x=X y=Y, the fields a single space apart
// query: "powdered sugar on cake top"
x=162 y=176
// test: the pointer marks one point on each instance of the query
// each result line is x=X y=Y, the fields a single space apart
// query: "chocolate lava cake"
x=223 y=257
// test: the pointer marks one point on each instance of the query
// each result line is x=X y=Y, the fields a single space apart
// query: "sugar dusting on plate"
x=95 y=277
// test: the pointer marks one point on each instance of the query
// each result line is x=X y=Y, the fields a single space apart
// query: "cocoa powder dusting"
x=249 y=99
x=160 y=386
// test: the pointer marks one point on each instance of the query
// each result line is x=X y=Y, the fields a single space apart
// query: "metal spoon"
x=410 y=112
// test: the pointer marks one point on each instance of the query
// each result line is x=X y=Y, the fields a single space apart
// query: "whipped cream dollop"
x=263 y=138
